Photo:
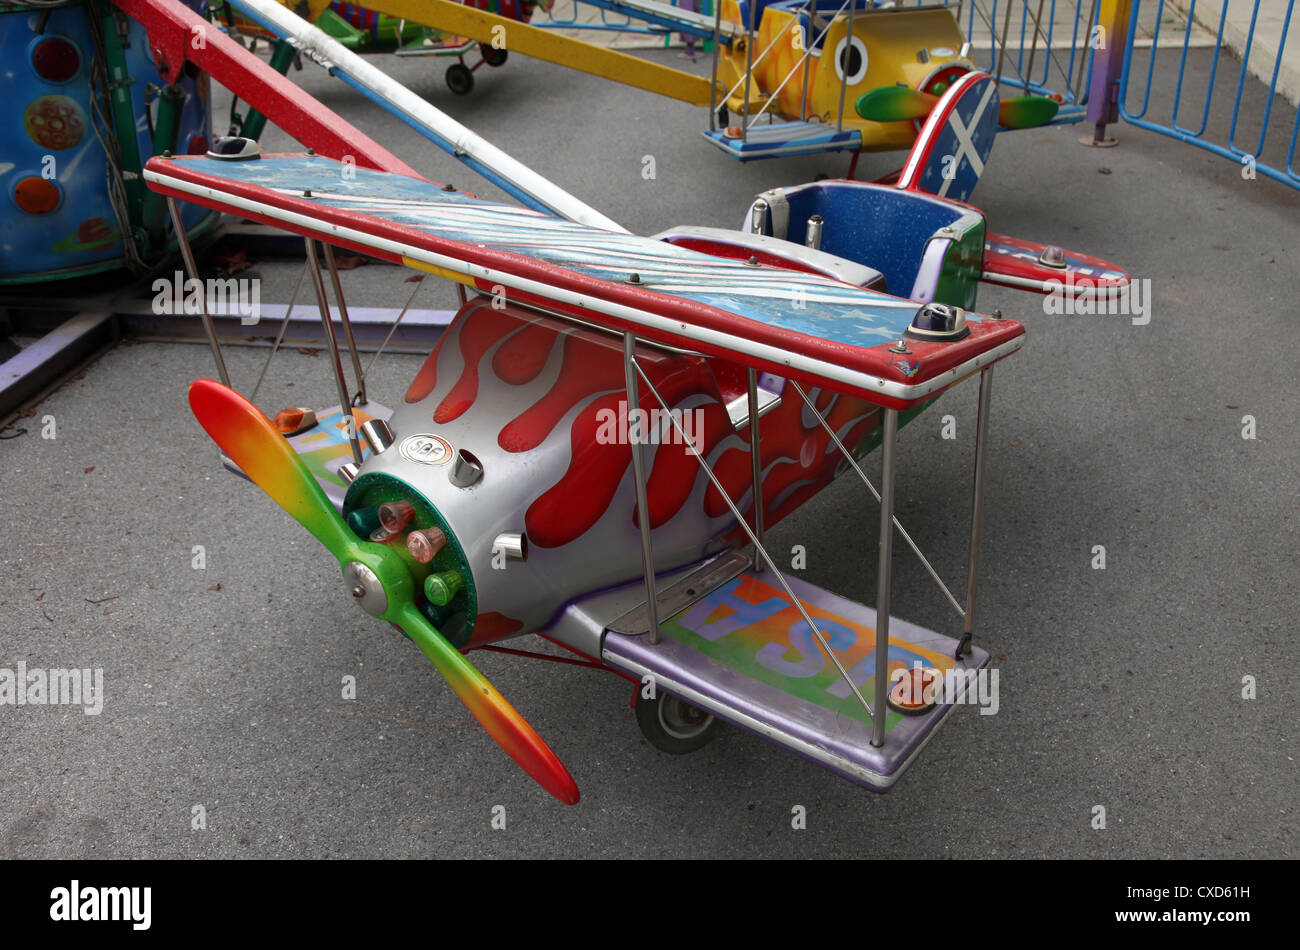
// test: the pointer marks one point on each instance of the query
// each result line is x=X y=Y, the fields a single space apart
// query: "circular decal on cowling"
x=426 y=449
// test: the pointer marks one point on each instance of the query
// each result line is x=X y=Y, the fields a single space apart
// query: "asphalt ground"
x=1120 y=687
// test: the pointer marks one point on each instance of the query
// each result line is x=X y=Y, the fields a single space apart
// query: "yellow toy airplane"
x=845 y=75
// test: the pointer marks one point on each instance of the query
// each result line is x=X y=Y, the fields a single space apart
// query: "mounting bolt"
x=634 y=279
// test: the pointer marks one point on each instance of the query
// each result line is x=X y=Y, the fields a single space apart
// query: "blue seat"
x=899 y=233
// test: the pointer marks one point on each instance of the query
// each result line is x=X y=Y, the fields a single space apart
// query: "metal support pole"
x=393 y=329
x=853 y=463
x=776 y=571
x=253 y=123
x=1033 y=49
x=848 y=61
x=279 y=337
x=884 y=575
x=638 y=478
x=977 y=507
x=713 y=77
x=1002 y=44
x=171 y=100
x=809 y=9
x=1077 y=88
x=183 y=242
x=756 y=463
x=347 y=324
x=750 y=40
x=328 y=323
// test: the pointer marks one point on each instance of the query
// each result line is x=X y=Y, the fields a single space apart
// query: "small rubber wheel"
x=459 y=79
x=493 y=56
x=673 y=725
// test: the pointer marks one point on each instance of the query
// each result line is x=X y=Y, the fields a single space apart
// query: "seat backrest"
x=884 y=228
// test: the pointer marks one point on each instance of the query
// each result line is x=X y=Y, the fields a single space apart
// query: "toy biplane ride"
x=595 y=448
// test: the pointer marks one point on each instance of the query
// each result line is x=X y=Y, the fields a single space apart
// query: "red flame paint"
x=479 y=332
x=591 y=374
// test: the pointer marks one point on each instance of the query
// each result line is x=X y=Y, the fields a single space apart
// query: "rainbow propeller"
x=900 y=103
x=376 y=574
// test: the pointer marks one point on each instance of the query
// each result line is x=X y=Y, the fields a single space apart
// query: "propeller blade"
x=1025 y=112
x=899 y=103
x=265 y=456
x=493 y=711
x=894 y=104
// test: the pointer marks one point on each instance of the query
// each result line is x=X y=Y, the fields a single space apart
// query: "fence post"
x=1107 y=63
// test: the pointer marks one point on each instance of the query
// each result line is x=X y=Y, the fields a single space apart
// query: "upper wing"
x=803 y=325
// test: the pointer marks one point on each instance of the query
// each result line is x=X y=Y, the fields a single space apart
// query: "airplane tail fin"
x=948 y=156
